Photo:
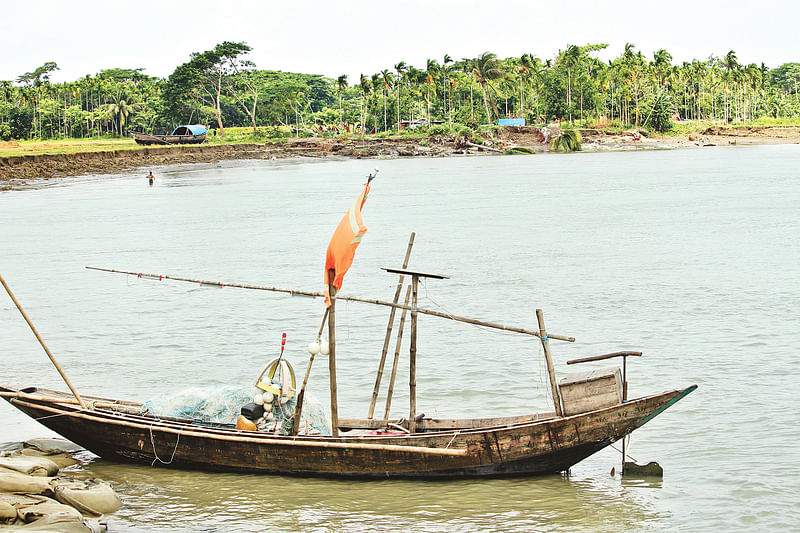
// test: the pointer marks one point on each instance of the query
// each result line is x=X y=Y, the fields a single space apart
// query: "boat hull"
x=144 y=138
x=527 y=448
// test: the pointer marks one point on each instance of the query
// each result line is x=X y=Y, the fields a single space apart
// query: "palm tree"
x=402 y=76
x=341 y=85
x=571 y=58
x=119 y=111
x=485 y=68
x=386 y=77
x=431 y=69
x=364 y=88
x=448 y=104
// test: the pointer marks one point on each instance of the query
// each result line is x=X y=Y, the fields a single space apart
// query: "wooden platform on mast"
x=417 y=273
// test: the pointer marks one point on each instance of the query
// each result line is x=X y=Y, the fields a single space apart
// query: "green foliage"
x=5 y=132
x=219 y=85
x=20 y=121
x=519 y=150
x=662 y=113
x=569 y=141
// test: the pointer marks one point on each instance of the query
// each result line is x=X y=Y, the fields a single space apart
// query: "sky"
x=357 y=36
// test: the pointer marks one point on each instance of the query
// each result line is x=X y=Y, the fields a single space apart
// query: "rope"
x=157 y=458
x=456 y=434
x=627 y=444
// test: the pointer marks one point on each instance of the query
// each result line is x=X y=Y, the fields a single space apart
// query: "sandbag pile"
x=33 y=497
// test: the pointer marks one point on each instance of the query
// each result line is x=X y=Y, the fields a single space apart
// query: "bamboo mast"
x=396 y=357
x=550 y=370
x=298 y=408
x=41 y=341
x=332 y=353
x=388 y=337
x=412 y=372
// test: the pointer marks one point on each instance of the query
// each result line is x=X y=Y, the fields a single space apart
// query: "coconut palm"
x=402 y=76
x=486 y=68
x=341 y=85
x=386 y=78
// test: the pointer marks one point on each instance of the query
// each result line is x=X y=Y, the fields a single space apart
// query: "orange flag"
x=344 y=242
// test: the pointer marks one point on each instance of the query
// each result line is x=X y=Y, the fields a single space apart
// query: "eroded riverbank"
x=46 y=166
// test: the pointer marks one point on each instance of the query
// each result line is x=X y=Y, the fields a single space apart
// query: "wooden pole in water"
x=396 y=357
x=332 y=354
x=389 y=332
x=550 y=370
x=41 y=341
x=298 y=408
x=412 y=372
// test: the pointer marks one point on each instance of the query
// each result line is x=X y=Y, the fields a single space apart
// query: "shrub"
x=5 y=132
x=515 y=150
x=568 y=141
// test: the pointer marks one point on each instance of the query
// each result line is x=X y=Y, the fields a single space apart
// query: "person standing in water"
x=150 y=177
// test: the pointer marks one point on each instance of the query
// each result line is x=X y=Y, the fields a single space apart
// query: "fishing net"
x=222 y=404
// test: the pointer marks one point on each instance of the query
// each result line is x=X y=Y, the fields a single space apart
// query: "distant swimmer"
x=150 y=177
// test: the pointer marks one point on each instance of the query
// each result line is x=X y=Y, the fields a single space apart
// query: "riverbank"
x=127 y=156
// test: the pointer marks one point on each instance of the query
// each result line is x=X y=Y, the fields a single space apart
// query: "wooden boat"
x=188 y=134
x=590 y=412
x=522 y=445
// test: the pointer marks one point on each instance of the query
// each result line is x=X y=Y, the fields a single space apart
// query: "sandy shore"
x=16 y=169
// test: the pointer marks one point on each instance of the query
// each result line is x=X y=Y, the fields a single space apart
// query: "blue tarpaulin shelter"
x=193 y=129
x=511 y=121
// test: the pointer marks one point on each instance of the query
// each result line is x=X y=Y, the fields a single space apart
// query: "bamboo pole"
x=412 y=371
x=298 y=408
x=332 y=354
x=292 y=292
x=68 y=401
x=550 y=370
x=41 y=341
x=396 y=357
x=388 y=337
x=265 y=440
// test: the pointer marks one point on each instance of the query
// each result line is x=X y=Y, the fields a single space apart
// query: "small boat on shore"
x=188 y=134
x=591 y=410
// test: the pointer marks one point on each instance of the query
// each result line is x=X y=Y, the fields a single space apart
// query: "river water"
x=690 y=256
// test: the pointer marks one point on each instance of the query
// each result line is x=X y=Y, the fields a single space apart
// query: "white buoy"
x=313 y=348
x=267 y=397
x=324 y=348
x=258 y=399
x=284 y=398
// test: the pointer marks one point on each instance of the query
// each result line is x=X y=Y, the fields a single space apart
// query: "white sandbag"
x=45 y=507
x=53 y=446
x=33 y=466
x=17 y=483
x=8 y=513
x=61 y=523
x=61 y=459
x=93 y=497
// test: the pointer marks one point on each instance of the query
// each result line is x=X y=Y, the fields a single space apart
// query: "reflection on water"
x=160 y=499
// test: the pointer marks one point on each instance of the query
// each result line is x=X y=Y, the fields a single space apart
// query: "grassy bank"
x=242 y=135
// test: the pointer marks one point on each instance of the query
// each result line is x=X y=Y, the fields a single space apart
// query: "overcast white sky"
x=355 y=36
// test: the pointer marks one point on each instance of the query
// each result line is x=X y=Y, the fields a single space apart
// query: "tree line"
x=222 y=88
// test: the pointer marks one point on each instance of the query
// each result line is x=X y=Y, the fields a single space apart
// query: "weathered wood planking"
x=532 y=447
x=582 y=392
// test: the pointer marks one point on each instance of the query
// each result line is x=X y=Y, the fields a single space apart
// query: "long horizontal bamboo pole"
x=293 y=292
x=277 y=442
x=602 y=357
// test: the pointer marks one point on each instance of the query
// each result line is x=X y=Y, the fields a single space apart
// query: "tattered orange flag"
x=344 y=242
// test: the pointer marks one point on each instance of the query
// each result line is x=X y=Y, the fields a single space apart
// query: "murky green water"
x=690 y=256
